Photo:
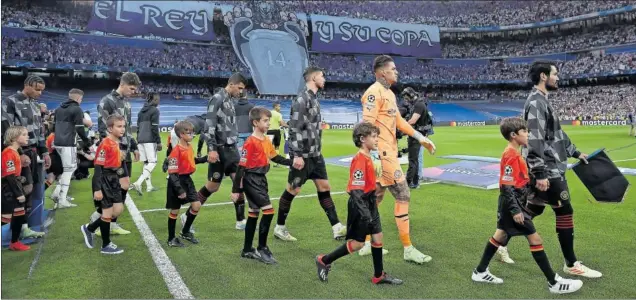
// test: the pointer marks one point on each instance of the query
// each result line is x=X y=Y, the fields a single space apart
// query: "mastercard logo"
x=576 y=123
x=325 y=126
x=453 y=124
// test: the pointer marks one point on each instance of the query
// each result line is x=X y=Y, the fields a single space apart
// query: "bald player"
x=380 y=108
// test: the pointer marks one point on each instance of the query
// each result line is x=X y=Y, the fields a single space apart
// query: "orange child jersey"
x=361 y=174
x=256 y=153
x=514 y=170
x=49 y=142
x=108 y=154
x=379 y=107
x=181 y=160
x=11 y=163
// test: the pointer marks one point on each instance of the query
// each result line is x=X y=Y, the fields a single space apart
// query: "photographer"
x=419 y=118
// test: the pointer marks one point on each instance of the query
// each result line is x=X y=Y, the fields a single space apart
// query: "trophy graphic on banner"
x=272 y=44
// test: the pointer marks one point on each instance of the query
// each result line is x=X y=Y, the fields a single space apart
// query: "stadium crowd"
x=456 y=13
x=534 y=45
x=69 y=17
x=440 y=13
x=195 y=57
x=599 y=102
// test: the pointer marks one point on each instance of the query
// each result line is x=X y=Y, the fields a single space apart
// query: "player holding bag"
x=250 y=179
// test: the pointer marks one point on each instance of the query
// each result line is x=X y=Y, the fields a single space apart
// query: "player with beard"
x=547 y=157
x=379 y=106
x=305 y=144
x=221 y=135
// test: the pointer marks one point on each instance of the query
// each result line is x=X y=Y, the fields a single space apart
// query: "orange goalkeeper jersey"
x=379 y=107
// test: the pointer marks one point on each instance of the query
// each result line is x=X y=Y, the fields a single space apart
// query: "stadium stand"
x=483 y=99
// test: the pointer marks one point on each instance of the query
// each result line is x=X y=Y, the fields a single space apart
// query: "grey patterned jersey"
x=114 y=103
x=548 y=146
x=22 y=111
x=220 y=121
x=305 y=125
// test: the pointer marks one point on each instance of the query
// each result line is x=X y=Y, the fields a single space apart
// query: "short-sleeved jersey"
x=49 y=142
x=514 y=170
x=361 y=174
x=108 y=154
x=256 y=154
x=181 y=160
x=11 y=163
x=274 y=121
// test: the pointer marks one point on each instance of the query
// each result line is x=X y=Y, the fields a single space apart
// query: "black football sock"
x=489 y=252
x=263 y=228
x=203 y=195
x=376 y=252
x=542 y=260
x=191 y=215
x=104 y=228
x=172 y=224
x=250 y=230
x=341 y=251
x=284 y=206
x=239 y=208
x=16 y=226
x=328 y=206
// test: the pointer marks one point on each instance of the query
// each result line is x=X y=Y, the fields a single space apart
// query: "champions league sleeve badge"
x=271 y=43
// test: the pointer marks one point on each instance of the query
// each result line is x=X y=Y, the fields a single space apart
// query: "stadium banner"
x=326 y=126
x=348 y=35
x=598 y=123
x=467 y=124
x=272 y=43
x=188 y=20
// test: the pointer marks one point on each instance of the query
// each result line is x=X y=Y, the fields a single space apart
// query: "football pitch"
x=450 y=223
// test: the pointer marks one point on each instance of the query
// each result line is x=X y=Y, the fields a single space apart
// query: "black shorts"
x=172 y=197
x=506 y=223
x=357 y=228
x=111 y=190
x=557 y=193
x=315 y=168
x=276 y=134
x=30 y=172
x=256 y=191
x=227 y=164
x=56 y=164
x=9 y=202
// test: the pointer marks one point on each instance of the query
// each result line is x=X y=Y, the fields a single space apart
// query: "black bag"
x=602 y=178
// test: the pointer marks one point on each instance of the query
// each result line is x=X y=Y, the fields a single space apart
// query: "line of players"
x=366 y=188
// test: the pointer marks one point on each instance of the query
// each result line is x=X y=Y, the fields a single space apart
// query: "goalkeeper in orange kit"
x=379 y=106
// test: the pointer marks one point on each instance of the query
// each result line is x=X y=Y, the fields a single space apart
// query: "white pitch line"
x=271 y=199
x=622 y=160
x=174 y=282
x=228 y=203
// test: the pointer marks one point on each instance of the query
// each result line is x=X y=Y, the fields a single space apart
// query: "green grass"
x=452 y=224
